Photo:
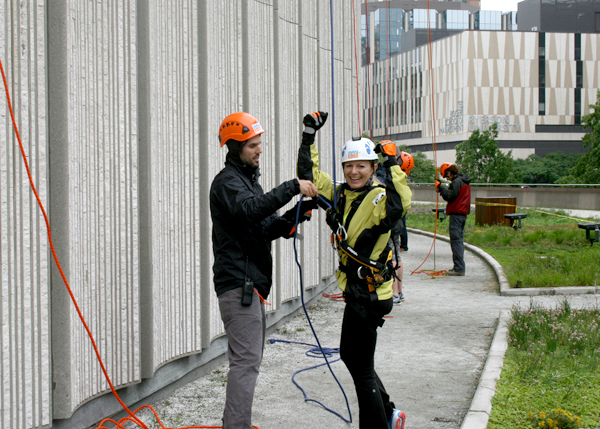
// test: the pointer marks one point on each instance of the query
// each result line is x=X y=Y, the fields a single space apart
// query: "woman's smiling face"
x=358 y=173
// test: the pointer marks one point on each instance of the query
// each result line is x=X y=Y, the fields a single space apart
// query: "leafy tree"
x=424 y=169
x=547 y=169
x=587 y=168
x=480 y=158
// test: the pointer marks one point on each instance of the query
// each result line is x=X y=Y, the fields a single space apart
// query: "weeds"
x=552 y=363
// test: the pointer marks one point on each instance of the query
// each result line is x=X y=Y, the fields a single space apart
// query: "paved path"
x=430 y=353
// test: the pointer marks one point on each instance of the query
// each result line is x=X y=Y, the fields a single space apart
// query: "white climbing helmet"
x=359 y=149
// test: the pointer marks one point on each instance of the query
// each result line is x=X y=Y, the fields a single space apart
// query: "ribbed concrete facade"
x=526 y=82
x=119 y=104
x=25 y=373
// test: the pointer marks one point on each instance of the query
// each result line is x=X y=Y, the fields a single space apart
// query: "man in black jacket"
x=244 y=224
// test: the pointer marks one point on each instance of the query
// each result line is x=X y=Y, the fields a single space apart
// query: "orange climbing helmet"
x=239 y=126
x=406 y=161
x=444 y=167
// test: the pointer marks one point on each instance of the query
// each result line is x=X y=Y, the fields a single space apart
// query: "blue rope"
x=315 y=351
x=332 y=97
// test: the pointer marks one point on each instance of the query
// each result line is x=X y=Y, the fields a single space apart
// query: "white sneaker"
x=396 y=299
x=401 y=296
x=398 y=419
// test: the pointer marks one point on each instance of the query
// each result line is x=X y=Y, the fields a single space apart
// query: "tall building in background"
x=479 y=70
x=391 y=27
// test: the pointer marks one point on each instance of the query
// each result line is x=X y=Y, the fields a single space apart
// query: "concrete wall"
x=119 y=105
x=25 y=361
x=559 y=198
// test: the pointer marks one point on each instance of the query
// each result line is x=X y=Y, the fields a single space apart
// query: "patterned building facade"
x=535 y=86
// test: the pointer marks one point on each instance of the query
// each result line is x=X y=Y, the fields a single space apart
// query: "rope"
x=320 y=348
x=356 y=62
x=131 y=415
x=332 y=94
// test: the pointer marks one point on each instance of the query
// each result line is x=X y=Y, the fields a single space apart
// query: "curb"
x=505 y=289
x=478 y=415
x=481 y=406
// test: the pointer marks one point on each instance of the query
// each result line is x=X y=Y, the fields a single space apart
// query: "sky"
x=503 y=5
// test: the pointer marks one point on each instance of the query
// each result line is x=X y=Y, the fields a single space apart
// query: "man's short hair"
x=454 y=169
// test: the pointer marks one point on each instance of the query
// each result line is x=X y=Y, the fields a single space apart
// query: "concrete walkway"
x=431 y=354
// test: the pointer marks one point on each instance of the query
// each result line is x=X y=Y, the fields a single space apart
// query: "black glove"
x=306 y=207
x=314 y=121
x=388 y=151
x=333 y=219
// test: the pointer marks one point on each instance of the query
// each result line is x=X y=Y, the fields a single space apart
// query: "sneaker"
x=401 y=296
x=456 y=273
x=397 y=420
x=396 y=299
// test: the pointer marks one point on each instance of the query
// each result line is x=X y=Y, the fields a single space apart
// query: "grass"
x=548 y=251
x=552 y=363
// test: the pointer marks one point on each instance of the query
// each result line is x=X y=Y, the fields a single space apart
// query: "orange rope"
x=131 y=417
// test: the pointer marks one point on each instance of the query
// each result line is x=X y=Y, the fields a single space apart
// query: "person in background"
x=244 y=224
x=361 y=215
x=400 y=234
x=458 y=196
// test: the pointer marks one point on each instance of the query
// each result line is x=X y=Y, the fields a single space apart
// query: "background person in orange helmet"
x=458 y=195
x=244 y=224
x=400 y=234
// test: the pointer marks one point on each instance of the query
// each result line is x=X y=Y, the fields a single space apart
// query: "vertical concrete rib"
x=146 y=289
x=206 y=289
x=58 y=201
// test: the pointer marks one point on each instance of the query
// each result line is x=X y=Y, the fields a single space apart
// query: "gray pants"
x=457 y=233
x=245 y=328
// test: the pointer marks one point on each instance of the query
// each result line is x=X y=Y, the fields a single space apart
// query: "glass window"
x=417 y=18
x=456 y=19
x=488 y=20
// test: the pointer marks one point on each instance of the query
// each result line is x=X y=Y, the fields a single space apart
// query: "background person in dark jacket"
x=458 y=195
x=244 y=224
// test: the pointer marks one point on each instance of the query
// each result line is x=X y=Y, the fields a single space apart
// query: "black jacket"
x=244 y=224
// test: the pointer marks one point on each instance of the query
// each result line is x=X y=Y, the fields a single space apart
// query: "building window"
x=577 y=106
x=542 y=74
x=577 y=46
x=542 y=104
x=579 y=78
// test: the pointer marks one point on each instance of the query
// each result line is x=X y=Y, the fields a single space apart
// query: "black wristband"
x=308 y=139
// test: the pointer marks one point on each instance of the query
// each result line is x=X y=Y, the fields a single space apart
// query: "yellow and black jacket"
x=369 y=227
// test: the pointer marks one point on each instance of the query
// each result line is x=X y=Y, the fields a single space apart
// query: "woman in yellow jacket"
x=361 y=216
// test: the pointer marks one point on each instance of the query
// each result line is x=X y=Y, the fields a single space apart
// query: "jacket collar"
x=250 y=172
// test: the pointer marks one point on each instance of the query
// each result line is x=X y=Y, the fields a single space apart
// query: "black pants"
x=357 y=350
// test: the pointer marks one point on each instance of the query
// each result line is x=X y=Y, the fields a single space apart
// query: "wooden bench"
x=589 y=227
x=515 y=219
x=440 y=213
